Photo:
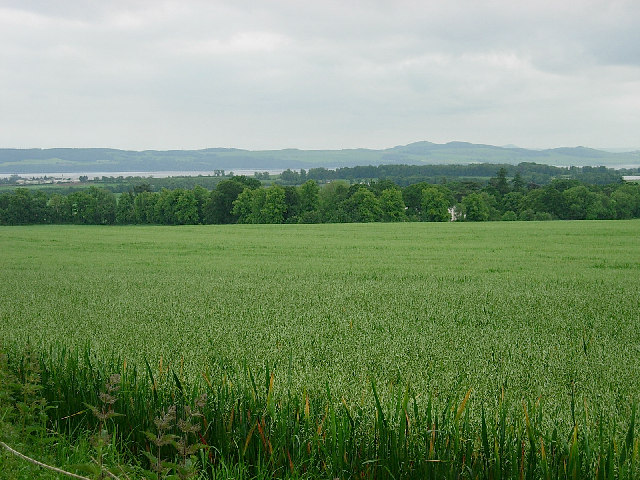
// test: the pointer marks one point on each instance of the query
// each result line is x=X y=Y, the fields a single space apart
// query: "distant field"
x=531 y=307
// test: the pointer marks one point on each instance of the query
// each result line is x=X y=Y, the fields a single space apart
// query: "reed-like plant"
x=243 y=426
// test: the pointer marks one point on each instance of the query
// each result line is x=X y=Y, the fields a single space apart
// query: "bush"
x=509 y=216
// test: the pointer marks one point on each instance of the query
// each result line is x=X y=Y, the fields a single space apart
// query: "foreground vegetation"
x=145 y=425
x=288 y=330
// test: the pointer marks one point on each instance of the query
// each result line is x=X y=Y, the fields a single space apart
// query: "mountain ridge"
x=70 y=160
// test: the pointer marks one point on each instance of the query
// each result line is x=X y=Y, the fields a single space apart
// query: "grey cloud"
x=317 y=74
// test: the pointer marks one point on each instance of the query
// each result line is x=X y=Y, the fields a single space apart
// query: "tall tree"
x=392 y=205
x=105 y=206
x=363 y=206
x=435 y=207
x=243 y=206
x=144 y=206
x=201 y=195
x=274 y=206
x=185 y=208
x=517 y=184
x=83 y=208
x=125 y=211
x=475 y=208
x=19 y=209
x=59 y=209
x=501 y=184
x=331 y=202
x=412 y=196
x=292 y=204
x=309 y=202
x=219 y=207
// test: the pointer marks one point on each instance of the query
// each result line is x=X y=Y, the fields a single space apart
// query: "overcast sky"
x=318 y=74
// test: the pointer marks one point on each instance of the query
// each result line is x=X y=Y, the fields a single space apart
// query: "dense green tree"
x=247 y=181
x=125 y=211
x=24 y=207
x=552 y=202
x=201 y=195
x=59 y=208
x=517 y=183
x=331 y=202
x=412 y=197
x=145 y=205
x=601 y=208
x=40 y=208
x=335 y=202
x=164 y=212
x=292 y=204
x=586 y=204
x=83 y=208
x=262 y=205
x=185 y=207
x=579 y=201
x=379 y=186
x=19 y=208
x=499 y=183
x=527 y=215
x=309 y=196
x=392 y=205
x=243 y=206
x=626 y=200
x=509 y=216
x=512 y=201
x=4 y=205
x=622 y=204
x=219 y=207
x=475 y=208
x=142 y=187
x=459 y=190
x=176 y=207
x=562 y=184
x=258 y=197
x=104 y=206
x=291 y=177
x=363 y=206
x=534 y=200
x=435 y=206
x=214 y=211
x=274 y=206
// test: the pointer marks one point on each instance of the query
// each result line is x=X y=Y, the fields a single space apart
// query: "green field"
x=539 y=309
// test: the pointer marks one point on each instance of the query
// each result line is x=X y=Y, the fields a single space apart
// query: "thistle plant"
x=8 y=386
x=161 y=438
x=103 y=414
x=106 y=412
x=188 y=430
x=32 y=407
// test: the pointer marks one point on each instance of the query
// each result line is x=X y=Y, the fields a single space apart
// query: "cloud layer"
x=275 y=74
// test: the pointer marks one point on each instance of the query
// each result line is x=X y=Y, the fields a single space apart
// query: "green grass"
x=545 y=314
x=541 y=309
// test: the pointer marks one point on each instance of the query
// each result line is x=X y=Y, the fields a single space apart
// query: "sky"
x=191 y=74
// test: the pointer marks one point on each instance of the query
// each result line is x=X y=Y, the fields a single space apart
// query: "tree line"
x=407 y=174
x=242 y=199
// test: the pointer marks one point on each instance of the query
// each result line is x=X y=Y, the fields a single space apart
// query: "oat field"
x=540 y=310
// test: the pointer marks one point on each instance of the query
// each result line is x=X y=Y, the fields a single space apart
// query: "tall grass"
x=543 y=307
x=336 y=350
x=243 y=428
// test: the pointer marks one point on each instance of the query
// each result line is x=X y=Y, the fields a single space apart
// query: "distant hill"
x=70 y=160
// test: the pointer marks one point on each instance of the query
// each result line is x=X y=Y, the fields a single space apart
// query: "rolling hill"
x=70 y=160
